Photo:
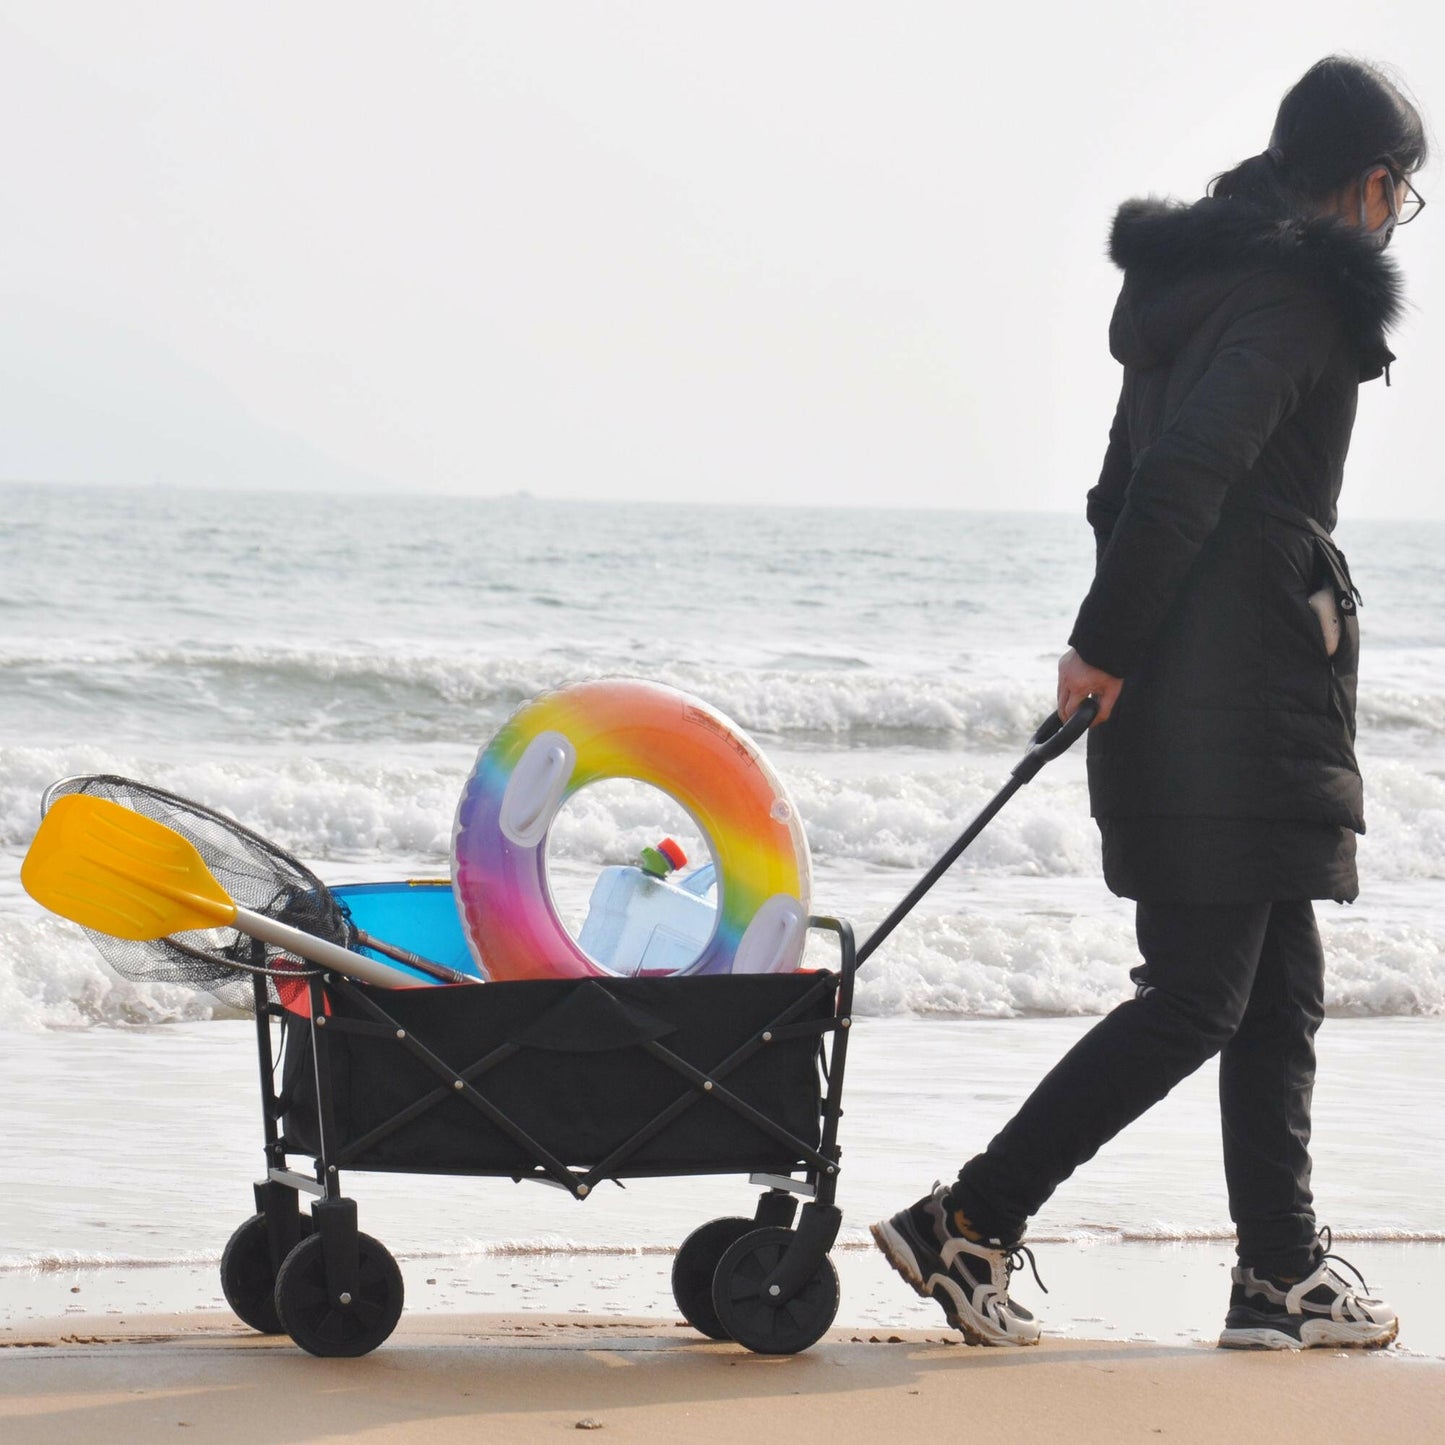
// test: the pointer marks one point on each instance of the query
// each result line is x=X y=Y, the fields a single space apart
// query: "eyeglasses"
x=1412 y=205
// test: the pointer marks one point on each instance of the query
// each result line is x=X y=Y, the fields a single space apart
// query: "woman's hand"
x=1077 y=680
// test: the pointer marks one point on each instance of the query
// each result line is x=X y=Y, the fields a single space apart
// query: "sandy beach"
x=523 y=1378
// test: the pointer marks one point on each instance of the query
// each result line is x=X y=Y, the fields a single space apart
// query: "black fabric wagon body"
x=583 y=1066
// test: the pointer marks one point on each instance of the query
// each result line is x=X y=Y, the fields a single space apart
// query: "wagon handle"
x=1051 y=739
x=1055 y=738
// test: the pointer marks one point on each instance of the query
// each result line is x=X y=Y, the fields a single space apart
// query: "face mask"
x=1380 y=237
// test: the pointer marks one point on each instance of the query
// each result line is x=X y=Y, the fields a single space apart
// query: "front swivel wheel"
x=326 y=1326
x=754 y=1313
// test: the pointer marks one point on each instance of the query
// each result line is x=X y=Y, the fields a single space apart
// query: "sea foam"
x=977 y=963
x=976 y=953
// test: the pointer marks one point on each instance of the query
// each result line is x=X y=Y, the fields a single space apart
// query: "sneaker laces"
x=1015 y=1255
x=1328 y=1240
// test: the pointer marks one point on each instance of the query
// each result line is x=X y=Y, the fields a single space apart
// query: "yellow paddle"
x=121 y=873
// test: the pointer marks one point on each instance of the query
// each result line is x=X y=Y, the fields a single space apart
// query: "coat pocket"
x=1335 y=601
x=1340 y=599
x=1298 y=675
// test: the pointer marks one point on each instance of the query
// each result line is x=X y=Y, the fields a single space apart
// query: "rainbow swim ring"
x=591 y=731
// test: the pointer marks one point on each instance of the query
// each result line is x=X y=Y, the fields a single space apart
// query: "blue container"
x=420 y=917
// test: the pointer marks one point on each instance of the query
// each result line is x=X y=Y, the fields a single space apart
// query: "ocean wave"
x=992 y=965
x=1405 y=813
x=1398 y=710
x=983 y=964
x=315 y=806
x=906 y=817
x=65 y=1261
x=335 y=807
x=1375 y=969
x=852 y=1239
x=409 y=691
x=52 y=977
x=408 y=695
x=900 y=814
x=1164 y=1232
x=980 y=965
x=870 y=833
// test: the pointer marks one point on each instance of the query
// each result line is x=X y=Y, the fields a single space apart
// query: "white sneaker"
x=1323 y=1309
x=969 y=1279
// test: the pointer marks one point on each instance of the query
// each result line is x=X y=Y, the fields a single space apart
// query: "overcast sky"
x=779 y=252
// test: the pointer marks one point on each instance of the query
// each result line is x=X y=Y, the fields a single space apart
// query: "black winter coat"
x=1244 y=338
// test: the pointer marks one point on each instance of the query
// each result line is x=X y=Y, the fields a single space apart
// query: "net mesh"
x=257 y=874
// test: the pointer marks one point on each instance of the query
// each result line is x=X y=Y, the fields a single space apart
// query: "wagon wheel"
x=325 y=1326
x=754 y=1320
x=694 y=1268
x=248 y=1278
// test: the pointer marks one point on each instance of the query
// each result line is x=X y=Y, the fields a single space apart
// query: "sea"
x=325 y=668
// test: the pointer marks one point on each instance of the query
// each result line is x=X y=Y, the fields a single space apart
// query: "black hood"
x=1180 y=261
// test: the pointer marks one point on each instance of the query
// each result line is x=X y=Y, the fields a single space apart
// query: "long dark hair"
x=1340 y=118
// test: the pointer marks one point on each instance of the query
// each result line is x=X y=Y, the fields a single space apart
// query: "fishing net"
x=256 y=873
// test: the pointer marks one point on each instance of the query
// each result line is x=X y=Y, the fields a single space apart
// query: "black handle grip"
x=1054 y=738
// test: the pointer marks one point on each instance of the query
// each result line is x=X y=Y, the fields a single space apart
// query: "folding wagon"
x=571 y=1082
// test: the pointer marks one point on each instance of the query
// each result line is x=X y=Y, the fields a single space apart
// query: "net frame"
x=257 y=873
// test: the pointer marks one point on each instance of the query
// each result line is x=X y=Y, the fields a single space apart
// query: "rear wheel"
x=248 y=1278
x=326 y=1326
x=694 y=1268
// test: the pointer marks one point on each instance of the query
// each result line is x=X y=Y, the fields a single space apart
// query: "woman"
x=1219 y=636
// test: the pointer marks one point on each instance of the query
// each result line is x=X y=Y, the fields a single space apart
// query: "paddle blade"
x=121 y=873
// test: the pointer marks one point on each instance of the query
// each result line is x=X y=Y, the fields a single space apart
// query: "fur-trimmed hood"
x=1181 y=260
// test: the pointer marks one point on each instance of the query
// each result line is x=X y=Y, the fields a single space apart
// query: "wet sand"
x=444 y=1378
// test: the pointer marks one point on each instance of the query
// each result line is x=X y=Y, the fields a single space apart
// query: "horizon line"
x=526 y=495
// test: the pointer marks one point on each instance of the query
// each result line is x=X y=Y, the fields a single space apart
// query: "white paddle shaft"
x=319 y=951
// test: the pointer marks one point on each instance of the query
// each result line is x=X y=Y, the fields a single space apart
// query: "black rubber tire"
x=248 y=1279
x=320 y=1325
x=696 y=1264
x=752 y=1319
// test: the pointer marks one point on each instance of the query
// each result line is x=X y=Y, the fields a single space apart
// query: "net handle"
x=216 y=960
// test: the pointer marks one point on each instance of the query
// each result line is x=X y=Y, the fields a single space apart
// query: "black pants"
x=1243 y=980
